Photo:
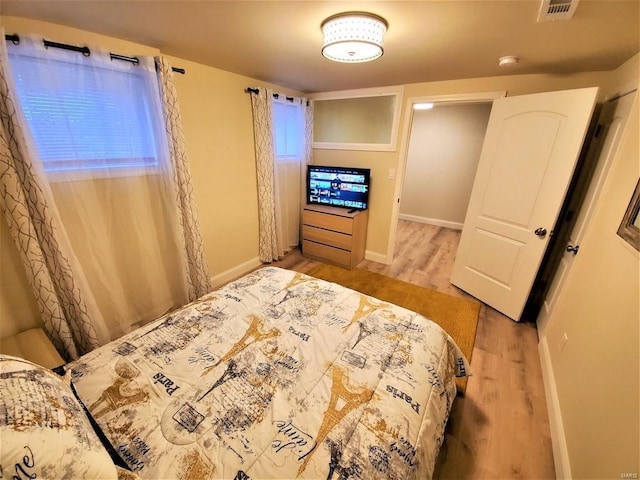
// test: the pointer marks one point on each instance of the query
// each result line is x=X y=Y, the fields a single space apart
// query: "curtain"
x=262 y=106
x=308 y=156
x=124 y=221
x=287 y=177
x=197 y=272
x=27 y=203
x=283 y=139
x=292 y=129
x=308 y=133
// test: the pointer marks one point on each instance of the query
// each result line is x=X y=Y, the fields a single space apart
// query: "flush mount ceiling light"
x=508 y=61
x=353 y=37
x=423 y=106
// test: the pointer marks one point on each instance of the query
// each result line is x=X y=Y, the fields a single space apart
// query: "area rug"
x=457 y=316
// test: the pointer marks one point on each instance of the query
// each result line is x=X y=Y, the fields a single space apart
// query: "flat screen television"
x=345 y=187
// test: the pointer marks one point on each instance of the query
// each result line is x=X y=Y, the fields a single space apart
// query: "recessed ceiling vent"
x=552 y=10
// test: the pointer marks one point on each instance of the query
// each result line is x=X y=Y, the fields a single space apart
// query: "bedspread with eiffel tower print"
x=276 y=375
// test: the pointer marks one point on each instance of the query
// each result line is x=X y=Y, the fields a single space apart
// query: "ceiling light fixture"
x=353 y=37
x=423 y=106
x=508 y=61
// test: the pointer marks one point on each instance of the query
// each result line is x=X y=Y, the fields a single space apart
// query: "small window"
x=288 y=125
x=88 y=115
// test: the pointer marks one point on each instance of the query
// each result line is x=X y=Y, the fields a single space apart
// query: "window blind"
x=86 y=117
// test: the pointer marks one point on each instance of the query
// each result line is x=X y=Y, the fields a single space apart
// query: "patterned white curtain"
x=38 y=235
x=262 y=105
x=308 y=153
x=197 y=272
x=308 y=134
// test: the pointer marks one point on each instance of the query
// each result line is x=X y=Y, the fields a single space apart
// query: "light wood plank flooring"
x=500 y=428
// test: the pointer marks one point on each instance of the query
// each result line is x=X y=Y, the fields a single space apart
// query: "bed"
x=275 y=375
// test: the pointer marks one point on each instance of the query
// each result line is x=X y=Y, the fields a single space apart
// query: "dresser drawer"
x=327 y=237
x=325 y=252
x=334 y=234
x=329 y=222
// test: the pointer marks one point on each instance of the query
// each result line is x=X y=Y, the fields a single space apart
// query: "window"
x=88 y=114
x=366 y=119
x=288 y=125
x=289 y=144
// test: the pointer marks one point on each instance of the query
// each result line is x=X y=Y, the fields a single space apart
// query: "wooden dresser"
x=334 y=235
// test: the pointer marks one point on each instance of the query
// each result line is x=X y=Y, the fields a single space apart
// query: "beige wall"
x=442 y=160
x=217 y=120
x=597 y=373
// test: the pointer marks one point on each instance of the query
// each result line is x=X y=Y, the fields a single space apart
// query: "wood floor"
x=500 y=428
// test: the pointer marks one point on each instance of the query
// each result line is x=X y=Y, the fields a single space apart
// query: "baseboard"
x=558 y=440
x=235 y=272
x=375 y=257
x=431 y=221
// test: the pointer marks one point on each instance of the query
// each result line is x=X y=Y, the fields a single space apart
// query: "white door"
x=527 y=161
x=603 y=147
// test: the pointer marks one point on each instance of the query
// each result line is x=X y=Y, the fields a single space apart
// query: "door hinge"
x=573 y=248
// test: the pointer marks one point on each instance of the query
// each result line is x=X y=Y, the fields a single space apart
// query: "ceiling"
x=280 y=41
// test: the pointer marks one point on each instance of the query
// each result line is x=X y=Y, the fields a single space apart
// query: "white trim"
x=464 y=98
x=235 y=272
x=558 y=440
x=358 y=92
x=431 y=221
x=363 y=147
x=376 y=257
x=404 y=148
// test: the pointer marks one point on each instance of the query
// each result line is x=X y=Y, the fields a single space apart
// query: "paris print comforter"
x=276 y=375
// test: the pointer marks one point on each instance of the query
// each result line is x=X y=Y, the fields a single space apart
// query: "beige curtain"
x=281 y=180
x=36 y=230
x=308 y=154
x=262 y=105
x=197 y=272
x=308 y=134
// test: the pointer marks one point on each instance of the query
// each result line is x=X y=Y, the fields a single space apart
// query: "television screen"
x=344 y=187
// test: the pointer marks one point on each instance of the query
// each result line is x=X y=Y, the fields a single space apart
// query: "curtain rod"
x=15 y=39
x=47 y=43
x=275 y=95
x=619 y=96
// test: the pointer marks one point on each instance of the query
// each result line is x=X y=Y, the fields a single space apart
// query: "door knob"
x=574 y=249
x=541 y=232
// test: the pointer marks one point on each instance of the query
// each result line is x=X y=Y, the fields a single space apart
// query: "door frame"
x=591 y=185
x=461 y=98
x=510 y=219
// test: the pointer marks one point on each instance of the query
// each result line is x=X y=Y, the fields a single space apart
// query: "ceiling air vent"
x=552 y=10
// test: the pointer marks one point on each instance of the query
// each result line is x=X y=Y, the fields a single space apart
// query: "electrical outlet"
x=392 y=173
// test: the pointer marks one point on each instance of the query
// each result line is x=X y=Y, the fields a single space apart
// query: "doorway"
x=523 y=171
x=442 y=158
x=462 y=113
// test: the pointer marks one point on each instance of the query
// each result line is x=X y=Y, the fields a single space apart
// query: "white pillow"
x=44 y=432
